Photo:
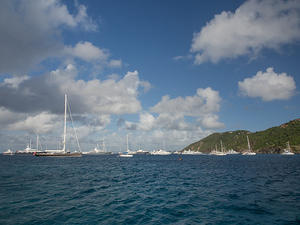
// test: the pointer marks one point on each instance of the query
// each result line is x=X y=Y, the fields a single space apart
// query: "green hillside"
x=272 y=140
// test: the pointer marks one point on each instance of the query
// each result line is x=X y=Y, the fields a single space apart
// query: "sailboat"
x=249 y=152
x=62 y=152
x=287 y=151
x=128 y=153
x=216 y=152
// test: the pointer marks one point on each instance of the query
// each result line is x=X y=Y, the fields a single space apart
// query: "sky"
x=167 y=73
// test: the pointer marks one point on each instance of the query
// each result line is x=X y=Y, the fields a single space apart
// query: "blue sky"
x=159 y=70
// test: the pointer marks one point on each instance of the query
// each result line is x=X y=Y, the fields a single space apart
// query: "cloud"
x=35 y=123
x=87 y=52
x=115 y=63
x=15 y=81
x=44 y=93
x=172 y=113
x=33 y=32
x=211 y=122
x=40 y=123
x=255 y=25
x=205 y=101
x=268 y=85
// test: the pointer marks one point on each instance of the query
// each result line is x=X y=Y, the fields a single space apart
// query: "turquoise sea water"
x=261 y=189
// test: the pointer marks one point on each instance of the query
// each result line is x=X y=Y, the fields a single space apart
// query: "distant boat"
x=190 y=152
x=97 y=151
x=62 y=152
x=8 y=152
x=29 y=150
x=232 y=152
x=216 y=152
x=128 y=153
x=287 y=151
x=249 y=152
x=160 y=152
x=142 y=152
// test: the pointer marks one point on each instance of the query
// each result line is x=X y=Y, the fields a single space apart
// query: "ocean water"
x=261 y=189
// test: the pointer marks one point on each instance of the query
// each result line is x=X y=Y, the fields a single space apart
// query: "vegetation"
x=272 y=140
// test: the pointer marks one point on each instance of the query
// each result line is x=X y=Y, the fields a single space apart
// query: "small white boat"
x=141 y=152
x=160 y=152
x=190 y=152
x=8 y=152
x=126 y=155
x=216 y=152
x=29 y=150
x=177 y=152
x=232 y=152
x=249 y=152
x=97 y=151
x=287 y=151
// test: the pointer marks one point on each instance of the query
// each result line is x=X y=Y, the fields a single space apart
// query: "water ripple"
x=264 y=189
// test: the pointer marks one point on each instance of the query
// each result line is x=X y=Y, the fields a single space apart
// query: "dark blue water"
x=262 y=189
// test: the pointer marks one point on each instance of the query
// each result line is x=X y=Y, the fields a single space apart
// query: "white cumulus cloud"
x=40 y=123
x=255 y=25
x=173 y=113
x=205 y=101
x=86 y=51
x=268 y=85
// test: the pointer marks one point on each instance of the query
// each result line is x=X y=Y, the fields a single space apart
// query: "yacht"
x=249 y=151
x=8 y=152
x=141 y=152
x=128 y=153
x=62 y=152
x=216 y=152
x=29 y=150
x=190 y=152
x=98 y=151
x=287 y=151
x=232 y=152
x=160 y=152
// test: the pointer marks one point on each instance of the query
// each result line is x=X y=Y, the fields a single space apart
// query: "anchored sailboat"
x=216 y=152
x=129 y=153
x=249 y=152
x=287 y=151
x=62 y=152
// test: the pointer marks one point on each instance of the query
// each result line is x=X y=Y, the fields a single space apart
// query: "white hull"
x=248 y=153
x=8 y=152
x=126 y=155
x=189 y=152
x=217 y=153
x=232 y=152
x=160 y=152
x=287 y=153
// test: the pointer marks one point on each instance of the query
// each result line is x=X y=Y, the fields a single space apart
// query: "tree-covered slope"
x=272 y=140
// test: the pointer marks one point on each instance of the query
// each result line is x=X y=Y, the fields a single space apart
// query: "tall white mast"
x=249 y=147
x=37 y=143
x=103 y=145
x=127 y=143
x=221 y=146
x=65 y=124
